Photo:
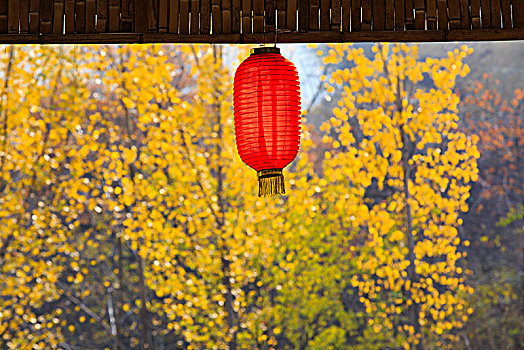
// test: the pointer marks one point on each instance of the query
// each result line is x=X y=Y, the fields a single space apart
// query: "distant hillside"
x=505 y=60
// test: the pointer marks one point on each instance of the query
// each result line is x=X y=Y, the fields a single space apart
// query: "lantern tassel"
x=270 y=183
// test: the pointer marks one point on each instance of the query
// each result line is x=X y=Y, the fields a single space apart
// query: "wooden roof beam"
x=256 y=38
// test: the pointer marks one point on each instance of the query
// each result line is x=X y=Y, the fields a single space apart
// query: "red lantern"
x=266 y=101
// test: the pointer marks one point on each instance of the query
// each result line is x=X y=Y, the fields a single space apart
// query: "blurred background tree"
x=128 y=220
x=402 y=173
x=494 y=223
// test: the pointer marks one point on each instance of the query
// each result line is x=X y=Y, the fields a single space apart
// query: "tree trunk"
x=414 y=309
x=225 y=263
x=145 y=324
x=119 y=295
x=144 y=313
x=5 y=117
x=412 y=275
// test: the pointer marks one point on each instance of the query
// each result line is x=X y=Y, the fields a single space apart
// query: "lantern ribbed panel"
x=266 y=101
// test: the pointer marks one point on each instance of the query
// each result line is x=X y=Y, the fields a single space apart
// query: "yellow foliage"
x=400 y=125
x=121 y=193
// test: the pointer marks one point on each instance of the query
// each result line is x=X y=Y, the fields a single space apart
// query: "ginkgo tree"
x=158 y=202
x=129 y=221
x=36 y=114
x=400 y=171
x=180 y=248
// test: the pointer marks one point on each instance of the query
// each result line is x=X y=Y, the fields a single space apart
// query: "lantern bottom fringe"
x=270 y=183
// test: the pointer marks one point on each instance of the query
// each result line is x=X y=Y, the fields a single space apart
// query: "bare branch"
x=82 y=306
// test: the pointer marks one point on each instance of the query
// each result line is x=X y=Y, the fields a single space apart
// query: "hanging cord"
x=277 y=29
x=276 y=25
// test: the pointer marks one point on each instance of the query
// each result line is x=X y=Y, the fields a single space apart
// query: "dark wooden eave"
x=255 y=21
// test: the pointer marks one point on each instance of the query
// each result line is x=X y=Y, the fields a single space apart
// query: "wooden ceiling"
x=255 y=21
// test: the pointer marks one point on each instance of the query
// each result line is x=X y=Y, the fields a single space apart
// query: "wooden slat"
x=409 y=18
x=314 y=8
x=366 y=15
x=126 y=20
x=379 y=15
x=355 y=16
x=163 y=16
x=24 y=16
x=506 y=13
x=13 y=13
x=324 y=14
x=281 y=14
x=303 y=15
x=58 y=16
x=101 y=16
x=400 y=7
x=475 y=14
x=152 y=17
x=420 y=14
x=335 y=15
x=346 y=15
x=281 y=18
x=226 y=16
x=3 y=16
x=140 y=16
x=184 y=16
x=34 y=16
x=114 y=16
x=195 y=16
x=269 y=8
x=80 y=20
x=495 y=14
x=518 y=13
x=390 y=14
x=217 y=17
x=235 y=16
x=90 y=16
x=454 y=14
x=226 y=21
x=442 y=15
x=173 y=15
x=246 y=16
x=486 y=13
x=205 y=16
x=465 y=18
x=432 y=14
x=69 y=16
x=258 y=16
